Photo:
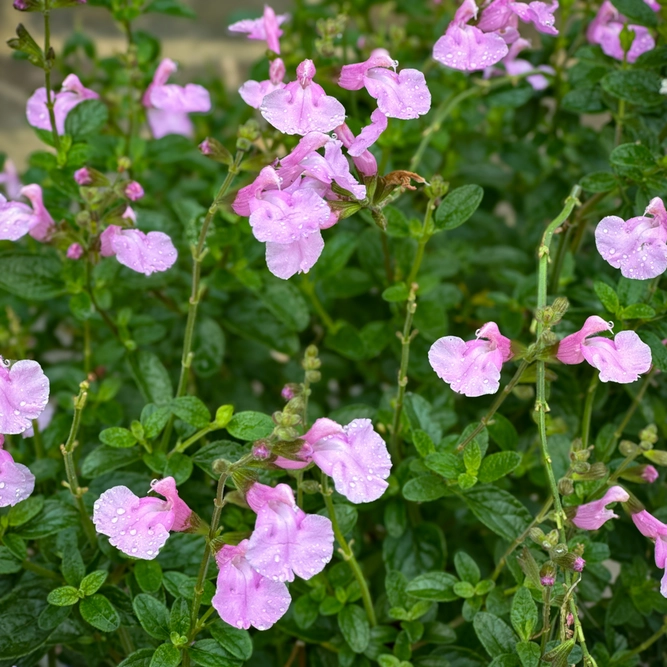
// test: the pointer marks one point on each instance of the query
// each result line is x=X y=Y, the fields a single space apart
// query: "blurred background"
x=200 y=46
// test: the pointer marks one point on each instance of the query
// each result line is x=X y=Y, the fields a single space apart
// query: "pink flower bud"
x=649 y=474
x=134 y=191
x=579 y=564
x=205 y=147
x=74 y=251
x=261 y=451
x=548 y=581
x=287 y=393
x=82 y=176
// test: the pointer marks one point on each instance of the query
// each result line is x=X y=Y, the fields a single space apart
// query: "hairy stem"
x=348 y=554
x=649 y=642
x=50 y=98
x=70 y=468
x=484 y=421
x=588 y=410
x=427 y=232
x=406 y=338
x=198 y=254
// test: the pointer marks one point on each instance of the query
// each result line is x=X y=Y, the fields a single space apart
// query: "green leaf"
x=208 y=653
x=152 y=378
x=446 y=464
x=637 y=11
x=219 y=449
x=458 y=206
x=524 y=614
x=179 y=618
x=54 y=517
x=100 y=613
x=498 y=465
x=472 y=458
x=16 y=546
x=424 y=488
x=104 y=459
x=498 y=510
x=347 y=341
x=25 y=510
x=502 y=431
x=599 y=181
x=148 y=574
x=287 y=303
x=118 y=437
x=154 y=419
x=31 y=277
x=584 y=100
x=234 y=640
x=8 y=562
x=658 y=349
x=346 y=516
x=463 y=589
x=166 y=655
x=496 y=636
x=529 y=652
x=396 y=293
x=607 y=295
x=140 y=658
x=250 y=425
x=466 y=568
x=419 y=549
x=631 y=160
x=637 y=311
x=353 y=624
x=65 y=596
x=640 y=87
x=435 y=586
x=152 y=615
x=86 y=119
x=423 y=443
x=191 y=410
x=92 y=582
x=209 y=347
x=170 y=7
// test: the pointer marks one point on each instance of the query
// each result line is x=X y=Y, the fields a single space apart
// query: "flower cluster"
x=476 y=47
x=24 y=394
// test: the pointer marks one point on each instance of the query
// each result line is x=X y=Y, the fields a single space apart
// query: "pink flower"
x=516 y=66
x=254 y=92
x=354 y=456
x=139 y=527
x=267 y=28
x=9 y=177
x=593 y=515
x=143 y=253
x=605 y=30
x=134 y=191
x=16 y=480
x=369 y=134
x=24 y=392
x=649 y=474
x=502 y=16
x=365 y=162
x=620 y=360
x=655 y=530
x=43 y=420
x=471 y=368
x=637 y=246
x=168 y=105
x=302 y=106
x=466 y=47
x=75 y=251
x=548 y=580
x=333 y=167
x=579 y=564
x=399 y=95
x=243 y=597
x=286 y=541
x=72 y=92
x=44 y=222
x=82 y=176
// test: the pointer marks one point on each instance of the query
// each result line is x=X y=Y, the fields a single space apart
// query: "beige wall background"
x=201 y=44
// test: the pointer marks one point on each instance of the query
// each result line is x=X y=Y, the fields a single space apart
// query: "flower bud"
x=261 y=450
x=310 y=487
x=289 y=391
x=537 y=535
x=223 y=415
x=286 y=433
x=565 y=486
x=552 y=538
x=75 y=251
x=581 y=467
x=83 y=176
x=213 y=149
x=548 y=573
x=633 y=505
x=249 y=130
x=220 y=466
x=124 y=163
x=657 y=456
x=313 y=376
x=649 y=434
x=133 y=191
x=628 y=448
x=437 y=188
x=295 y=406
x=569 y=560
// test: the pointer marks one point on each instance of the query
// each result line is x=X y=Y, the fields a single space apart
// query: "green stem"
x=203 y=566
x=633 y=406
x=309 y=288
x=38 y=569
x=649 y=642
x=39 y=445
x=131 y=63
x=47 y=73
x=588 y=410
x=589 y=661
x=348 y=554
x=406 y=339
x=427 y=232
x=541 y=406
x=510 y=550
x=484 y=421
x=182 y=446
x=70 y=468
x=198 y=254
